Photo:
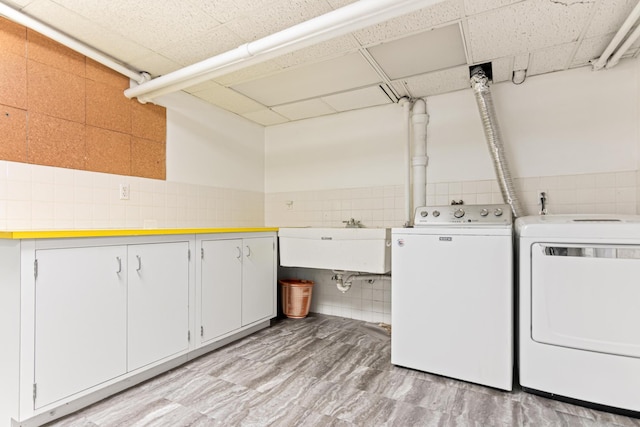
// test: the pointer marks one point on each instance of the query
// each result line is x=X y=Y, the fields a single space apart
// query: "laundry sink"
x=350 y=249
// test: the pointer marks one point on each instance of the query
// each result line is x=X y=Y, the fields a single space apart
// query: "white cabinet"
x=80 y=319
x=221 y=287
x=237 y=284
x=84 y=318
x=258 y=279
x=158 y=309
x=106 y=310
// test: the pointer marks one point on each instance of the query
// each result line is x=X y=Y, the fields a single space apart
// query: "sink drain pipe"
x=480 y=85
x=344 y=283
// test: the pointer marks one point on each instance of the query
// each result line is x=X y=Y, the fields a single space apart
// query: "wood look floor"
x=322 y=371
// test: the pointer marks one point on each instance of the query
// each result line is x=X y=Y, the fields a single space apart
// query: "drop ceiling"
x=424 y=53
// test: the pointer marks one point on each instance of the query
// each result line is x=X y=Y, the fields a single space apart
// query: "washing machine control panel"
x=463 y=214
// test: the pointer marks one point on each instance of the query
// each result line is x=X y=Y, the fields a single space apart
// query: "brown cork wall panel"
x=13 y=38
x=55 y=142
x=108 y=151
x=148 y=158
x=13 y=80
x=59 y=108
x=107 y=107
x=55 y=93
x=99 y=73
x=149 y=121
x=46 y=51
x=13 y=134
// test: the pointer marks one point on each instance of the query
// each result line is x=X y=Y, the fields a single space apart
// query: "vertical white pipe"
x=419 y=119
x=406 y=131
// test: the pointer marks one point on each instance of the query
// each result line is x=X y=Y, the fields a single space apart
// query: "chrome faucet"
x=352 y=223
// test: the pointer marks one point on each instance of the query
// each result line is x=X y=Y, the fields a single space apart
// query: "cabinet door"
x=80 y=319
x=158 y=309
x=221 y=287
x=258 y=281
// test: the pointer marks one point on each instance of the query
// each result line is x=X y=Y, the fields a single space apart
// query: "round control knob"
x=497 y=212
x=459 y=213
x=424 y=213
x=484 y=212
x=436 y=213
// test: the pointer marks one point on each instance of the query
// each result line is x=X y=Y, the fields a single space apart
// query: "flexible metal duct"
x=480 y=85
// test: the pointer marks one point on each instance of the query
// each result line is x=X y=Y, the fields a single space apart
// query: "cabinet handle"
x=239 y=252
x=119 y=265
x=139 y=263
x=248 y=251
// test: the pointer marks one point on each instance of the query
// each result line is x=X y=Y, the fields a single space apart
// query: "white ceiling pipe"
x=39 y=27
x=333 y=24
x=613 y=61
x=618 y=38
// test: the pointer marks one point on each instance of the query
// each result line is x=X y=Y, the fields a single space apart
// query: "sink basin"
x=352 y=249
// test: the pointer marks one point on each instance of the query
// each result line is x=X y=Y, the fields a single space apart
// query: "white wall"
x=361 y=148
x=215 y=178
x=573 y=134
x=209 y=146
x=566 y=123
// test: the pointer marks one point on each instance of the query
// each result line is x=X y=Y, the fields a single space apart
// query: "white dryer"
x=579 y=309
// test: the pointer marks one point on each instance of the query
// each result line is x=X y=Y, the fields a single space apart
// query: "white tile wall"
x=370 y=302
x=36 y=197
x=373 y=206
x=608 y=193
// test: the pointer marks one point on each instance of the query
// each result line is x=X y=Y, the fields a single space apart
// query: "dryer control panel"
x=471 y=215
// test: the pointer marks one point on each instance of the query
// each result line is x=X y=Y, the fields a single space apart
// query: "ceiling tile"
x=330 y=48
x=472 y=7
x=249 y=73
x=145 y=22
x=225 y=98
x=202 y=46
x=437 y=82
x=521 y=62
x=278 y=16
x=324 y=78
x=609 y=16
x=18 y=3
x=359 y=98
x=502 y=69
x=591 y=48
x=154 y=64
x=553 y=59
x=422 y=19
x=511 y=30
x=337 y=4
x=421 y=53
x=228 y=10
x=265 y=117
x=304 y=109
x=89 y=32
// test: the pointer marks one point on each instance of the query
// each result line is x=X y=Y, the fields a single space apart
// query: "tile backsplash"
x=608 y=193
x=34 y=197
x=384 y=206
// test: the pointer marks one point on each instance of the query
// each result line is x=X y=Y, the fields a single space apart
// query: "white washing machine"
x=452 y=294
x=579 y=292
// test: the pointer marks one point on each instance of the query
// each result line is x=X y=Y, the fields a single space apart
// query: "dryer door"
x=586 y=297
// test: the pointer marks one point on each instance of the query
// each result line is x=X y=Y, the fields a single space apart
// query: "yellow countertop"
x=62 y=234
